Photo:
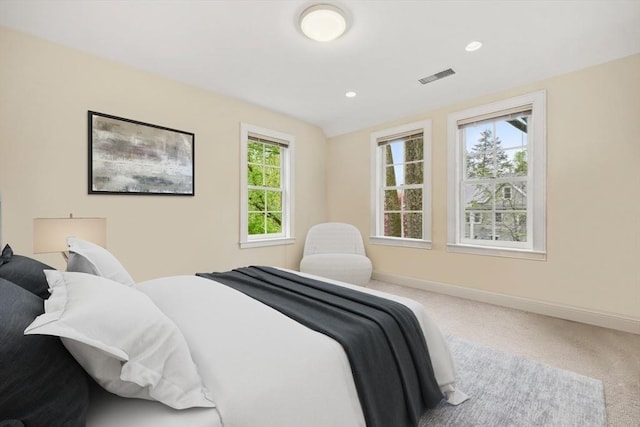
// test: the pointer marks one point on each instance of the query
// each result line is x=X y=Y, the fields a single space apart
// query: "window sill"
x=395 y=241
x=267 y=242
x=499 y=252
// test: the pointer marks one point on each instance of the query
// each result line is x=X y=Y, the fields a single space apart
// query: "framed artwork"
x=131 y=157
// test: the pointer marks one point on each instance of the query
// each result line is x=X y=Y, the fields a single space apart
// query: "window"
x=506 y=190
x=401 y=199
x=266 y=182
x=473 y=217
x=496 y=177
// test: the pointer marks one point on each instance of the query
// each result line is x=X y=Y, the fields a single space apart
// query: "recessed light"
x=323 y=22
x=473 y=46
x=350 y=94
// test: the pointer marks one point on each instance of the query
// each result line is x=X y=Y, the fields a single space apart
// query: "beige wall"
x=593 y=198
x=593 y=240
x=45 y=92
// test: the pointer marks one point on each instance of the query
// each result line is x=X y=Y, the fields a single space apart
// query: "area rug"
x=508 y=390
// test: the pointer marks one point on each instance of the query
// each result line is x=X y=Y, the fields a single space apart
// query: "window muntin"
x=401 y=203
x=496 y=174
x=266 y=198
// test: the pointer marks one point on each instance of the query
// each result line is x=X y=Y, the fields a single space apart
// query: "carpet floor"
x=508 y=390
x=610 y=356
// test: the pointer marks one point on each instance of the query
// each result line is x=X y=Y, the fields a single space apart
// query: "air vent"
x=436 y=76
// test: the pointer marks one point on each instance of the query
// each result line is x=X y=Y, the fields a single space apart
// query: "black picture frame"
x=136 y=158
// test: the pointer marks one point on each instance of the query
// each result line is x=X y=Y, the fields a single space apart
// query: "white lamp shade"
x=50 y=234
x=323 y=22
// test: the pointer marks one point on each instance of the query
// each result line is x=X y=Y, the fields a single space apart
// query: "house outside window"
x=497 y=173
x=400 y=186
x=266 y=187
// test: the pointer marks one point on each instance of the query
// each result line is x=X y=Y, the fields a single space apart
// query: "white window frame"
x=535 y=248
x=377 y=200
x=286 y=161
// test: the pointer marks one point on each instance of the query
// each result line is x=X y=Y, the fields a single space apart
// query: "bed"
x=251 y=366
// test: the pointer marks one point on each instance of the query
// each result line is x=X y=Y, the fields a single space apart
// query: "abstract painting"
x=131 y=157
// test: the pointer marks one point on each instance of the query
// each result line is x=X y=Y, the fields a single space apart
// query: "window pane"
x=274 y=222
x=271 y=155
x=511 y=196
x=274 y=200
x=254 y=152
x=518 y=161
x=485 y=157
x=413 y=199
x=482 y=231
x=394 y=175
x=255 y=174
x=510 y=233
x=388 y=154
x=478 y=197
x=392 y=224
x=391 y=200
x=272 y=177
x=480 y=148
x=414 y=150
x=394 y=153
x=256 y=201
x=513 y=133
x=478 y=225
x=256 y=223
x=414 y=173
x=413 y=225
x=514 y=227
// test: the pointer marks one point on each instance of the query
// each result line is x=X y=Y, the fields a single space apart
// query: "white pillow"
x=87 y=257
x=122 y=339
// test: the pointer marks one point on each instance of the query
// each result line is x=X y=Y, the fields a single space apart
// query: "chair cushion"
x=349 y=268
x=332 y=238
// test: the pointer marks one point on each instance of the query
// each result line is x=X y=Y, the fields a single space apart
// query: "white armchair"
x=335 y=250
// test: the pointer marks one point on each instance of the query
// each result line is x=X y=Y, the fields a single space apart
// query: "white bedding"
x=262 y=368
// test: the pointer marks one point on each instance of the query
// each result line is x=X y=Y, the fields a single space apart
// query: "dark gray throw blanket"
x=383 y=340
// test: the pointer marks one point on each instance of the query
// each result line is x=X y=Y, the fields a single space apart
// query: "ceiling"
x=254 y=50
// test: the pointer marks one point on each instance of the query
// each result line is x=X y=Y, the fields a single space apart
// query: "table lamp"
x=50 y=234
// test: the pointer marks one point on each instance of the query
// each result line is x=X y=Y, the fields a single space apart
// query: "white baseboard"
x=576 y=314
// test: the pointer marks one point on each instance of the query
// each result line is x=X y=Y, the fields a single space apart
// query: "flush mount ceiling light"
x=323 y=22
x=473 y=46
x=350 y=94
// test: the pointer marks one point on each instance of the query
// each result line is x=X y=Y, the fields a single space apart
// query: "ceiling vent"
x=436 y=76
